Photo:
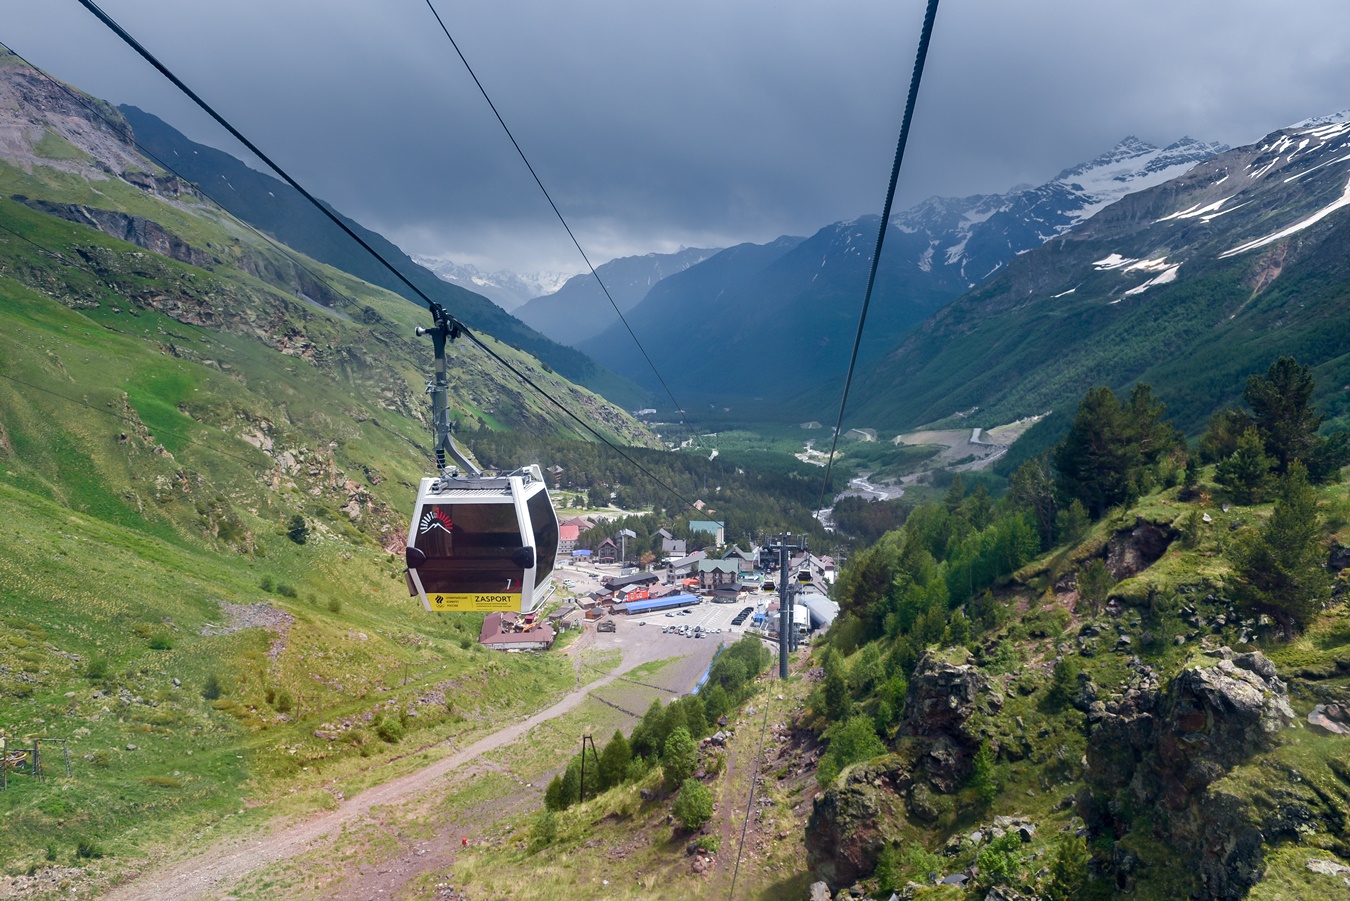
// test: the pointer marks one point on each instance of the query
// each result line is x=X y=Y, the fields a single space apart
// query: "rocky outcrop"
x=946 y=691
x=1131 y=551
x=853 y=819
x=1166 y=749
x=136 y=230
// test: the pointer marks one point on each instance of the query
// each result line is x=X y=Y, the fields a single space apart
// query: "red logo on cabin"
x=435 y=518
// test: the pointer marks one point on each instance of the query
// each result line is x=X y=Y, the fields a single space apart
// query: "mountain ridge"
x=1187 y=284
x=804 y=303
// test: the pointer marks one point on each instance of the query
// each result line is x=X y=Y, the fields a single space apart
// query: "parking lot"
x=643 y=637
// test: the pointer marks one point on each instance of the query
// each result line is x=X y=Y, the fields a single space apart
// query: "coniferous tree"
x=1112 y=449
x=1246 y=471
x=1094 y=460
x=1280 y=566
x=1032 y=488
x=614 y=761
x=679 y=757
x=1068 y=871
x=1281 y=403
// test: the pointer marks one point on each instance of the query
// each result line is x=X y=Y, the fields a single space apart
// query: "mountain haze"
x=579 y=310
x=507 y=290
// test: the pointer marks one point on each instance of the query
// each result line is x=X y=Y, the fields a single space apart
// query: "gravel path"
x=212 y=873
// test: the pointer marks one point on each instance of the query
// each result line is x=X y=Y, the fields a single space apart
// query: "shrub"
x=212 y=689
x=1064 y=681
x=297 y=530
x=267 y=583
x=1000 y=862
x=850 y=742
x=888 y=869
x=389 y=729
x=982 y=775
x=334 y=605
x=161 y=642
x=694 y=806
x=286 y=590
x=97 y=668
x=1068 y=871
x=88 y=849
x=284 y=702
x=710 y=843
x=544 y=830
x=101 y=758
x=162 y=782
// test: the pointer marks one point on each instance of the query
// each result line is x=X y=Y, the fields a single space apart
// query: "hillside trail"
x=210 y=872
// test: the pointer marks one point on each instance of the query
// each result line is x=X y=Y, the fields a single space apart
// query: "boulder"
x=1131 y=551
x=853 y=819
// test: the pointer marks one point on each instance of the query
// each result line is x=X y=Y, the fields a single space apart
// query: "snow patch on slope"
x=1342 y=201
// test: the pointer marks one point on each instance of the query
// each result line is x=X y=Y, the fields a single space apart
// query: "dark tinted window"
x=468 y=548
x=545 y=524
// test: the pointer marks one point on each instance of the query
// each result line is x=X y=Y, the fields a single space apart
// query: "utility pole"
x=784 y=607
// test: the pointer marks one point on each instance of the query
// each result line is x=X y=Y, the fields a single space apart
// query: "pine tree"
x=1068 y=871
x=679 y=758
x=1246 y=472
x=614 y=761
x=1094 y=460
x=1281 y=402
x=1280 y=567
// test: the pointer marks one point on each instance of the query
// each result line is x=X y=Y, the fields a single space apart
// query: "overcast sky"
x=698 y=123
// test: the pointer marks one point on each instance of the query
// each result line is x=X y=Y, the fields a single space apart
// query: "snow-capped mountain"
x=978 y=235
x=1191 y=285
x=507 y=290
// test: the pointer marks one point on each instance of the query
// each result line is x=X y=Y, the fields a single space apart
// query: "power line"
x=920 y=57
x=750 y=803
x=556 y=211
x=149 y=57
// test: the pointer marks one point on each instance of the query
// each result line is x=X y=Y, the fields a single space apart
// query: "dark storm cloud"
x=700 y=123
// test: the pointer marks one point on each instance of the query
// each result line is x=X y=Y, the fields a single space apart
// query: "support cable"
x=919 y=61
x=285 y=176
x=556 y=211
x=750 y=804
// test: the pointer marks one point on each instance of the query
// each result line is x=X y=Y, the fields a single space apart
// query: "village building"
x=567 y=539
x=746 y=561
x=716 y=529
x=678 y=569
x=514 y=632
x=714 y=573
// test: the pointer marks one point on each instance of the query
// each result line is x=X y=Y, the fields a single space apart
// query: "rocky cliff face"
x=949 y=699
x=852 y=820
x=945 y=693
x=1166 y=750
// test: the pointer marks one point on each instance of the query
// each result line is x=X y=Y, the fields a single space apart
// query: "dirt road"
x=212 y=873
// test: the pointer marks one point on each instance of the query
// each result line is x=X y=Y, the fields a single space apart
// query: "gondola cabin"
x=482 y=543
